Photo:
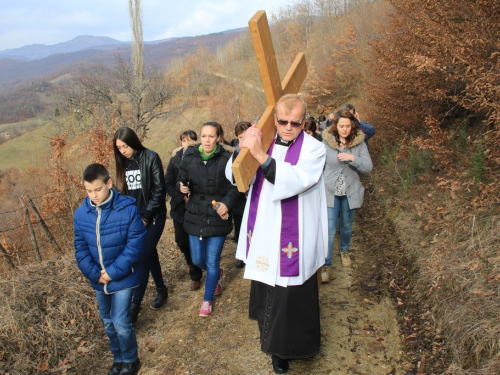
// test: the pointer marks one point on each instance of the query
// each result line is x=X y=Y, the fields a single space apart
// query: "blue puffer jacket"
x=111 y=237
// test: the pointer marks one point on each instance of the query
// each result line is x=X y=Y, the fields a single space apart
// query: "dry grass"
x=48 y=318
x=452 y=246
x=466 y=276
x=26 y=149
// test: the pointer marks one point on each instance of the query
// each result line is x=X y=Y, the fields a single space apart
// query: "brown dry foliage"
x=439 y=62
x=437 y=77
x=56 y=190
x=48 y=318
x=100 y=144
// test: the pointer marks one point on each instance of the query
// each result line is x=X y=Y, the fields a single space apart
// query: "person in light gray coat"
x=347 y=157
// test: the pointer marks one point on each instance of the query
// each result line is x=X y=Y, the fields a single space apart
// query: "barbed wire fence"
x=27 y=235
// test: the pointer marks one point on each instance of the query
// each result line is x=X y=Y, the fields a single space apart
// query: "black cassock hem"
x=288 y=318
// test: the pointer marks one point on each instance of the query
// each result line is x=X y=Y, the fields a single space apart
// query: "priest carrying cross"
x=284 y=233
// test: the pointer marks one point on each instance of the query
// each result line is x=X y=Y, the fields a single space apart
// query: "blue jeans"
x=339 y=211
x=114 y=309
x=205 y=253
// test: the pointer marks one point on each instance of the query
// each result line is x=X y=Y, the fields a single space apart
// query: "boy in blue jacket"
x=109 y=237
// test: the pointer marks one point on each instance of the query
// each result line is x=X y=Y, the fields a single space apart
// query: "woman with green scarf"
x=202 y=177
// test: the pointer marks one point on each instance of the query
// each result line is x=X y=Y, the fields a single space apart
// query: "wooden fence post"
x=32 y=232
x=44 y=226
x=7 y=257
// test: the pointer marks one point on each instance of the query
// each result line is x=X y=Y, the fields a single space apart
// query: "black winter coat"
x=152 y=183
x=207 y=182
x=177 y=206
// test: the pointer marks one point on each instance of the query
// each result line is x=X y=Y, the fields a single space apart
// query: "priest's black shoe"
x=115 y=369
x=280 y=366
x=131 y=368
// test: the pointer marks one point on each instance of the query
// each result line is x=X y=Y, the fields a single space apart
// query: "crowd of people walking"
x=307 y=187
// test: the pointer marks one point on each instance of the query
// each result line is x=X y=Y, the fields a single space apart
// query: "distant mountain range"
x=27 y=63
x=39 y=51
x=80 y=43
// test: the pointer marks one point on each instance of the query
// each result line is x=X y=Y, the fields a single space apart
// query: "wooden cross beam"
x=245 y=166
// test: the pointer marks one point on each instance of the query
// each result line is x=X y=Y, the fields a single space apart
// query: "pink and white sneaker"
x=206 y=308
x=218 y=288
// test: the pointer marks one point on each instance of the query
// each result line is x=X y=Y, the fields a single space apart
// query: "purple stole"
x=289 y=239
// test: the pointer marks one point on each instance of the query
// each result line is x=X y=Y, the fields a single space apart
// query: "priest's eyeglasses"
x=293 y=123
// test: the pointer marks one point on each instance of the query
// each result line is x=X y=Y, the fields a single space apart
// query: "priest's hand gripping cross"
x=245 y=166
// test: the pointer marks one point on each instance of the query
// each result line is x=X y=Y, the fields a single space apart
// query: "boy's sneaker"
x=346 y=259
x=206 y=308
x=131 y=368
x=218 y=288
x=325 y=278
x=115 y=369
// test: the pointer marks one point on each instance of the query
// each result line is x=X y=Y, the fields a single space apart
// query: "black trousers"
x=237 y=225
x=182 y=241
x=288 y=318
x=149 y=261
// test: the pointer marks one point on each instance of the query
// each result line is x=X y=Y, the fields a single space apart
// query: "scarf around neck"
x=204 y=156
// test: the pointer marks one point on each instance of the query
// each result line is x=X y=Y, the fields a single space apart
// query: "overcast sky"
x=25 y=22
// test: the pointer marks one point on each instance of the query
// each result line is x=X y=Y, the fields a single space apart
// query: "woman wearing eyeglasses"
x=346 y=158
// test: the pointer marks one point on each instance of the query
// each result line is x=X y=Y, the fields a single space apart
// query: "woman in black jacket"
x=178 y=202
x=139 y=174
x=202 y=177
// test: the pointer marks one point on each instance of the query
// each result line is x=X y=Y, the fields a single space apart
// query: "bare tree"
x=135 y=13
x=126 y=94
x=111 y=97
x=145 y=101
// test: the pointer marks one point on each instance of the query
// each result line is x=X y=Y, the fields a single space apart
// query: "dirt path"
x=360 y=333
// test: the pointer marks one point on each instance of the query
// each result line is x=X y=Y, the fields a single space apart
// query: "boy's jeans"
x=340 y=210
x=114 y=309
x=206 y=255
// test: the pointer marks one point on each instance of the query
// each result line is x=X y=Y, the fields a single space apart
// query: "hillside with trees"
x=426 y=74
x=19 y=73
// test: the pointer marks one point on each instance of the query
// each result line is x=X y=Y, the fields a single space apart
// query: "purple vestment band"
x=289 y=239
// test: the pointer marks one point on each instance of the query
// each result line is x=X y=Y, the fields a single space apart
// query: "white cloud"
x=26 y=22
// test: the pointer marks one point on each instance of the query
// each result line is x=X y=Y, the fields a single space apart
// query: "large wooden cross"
x=245 y=166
